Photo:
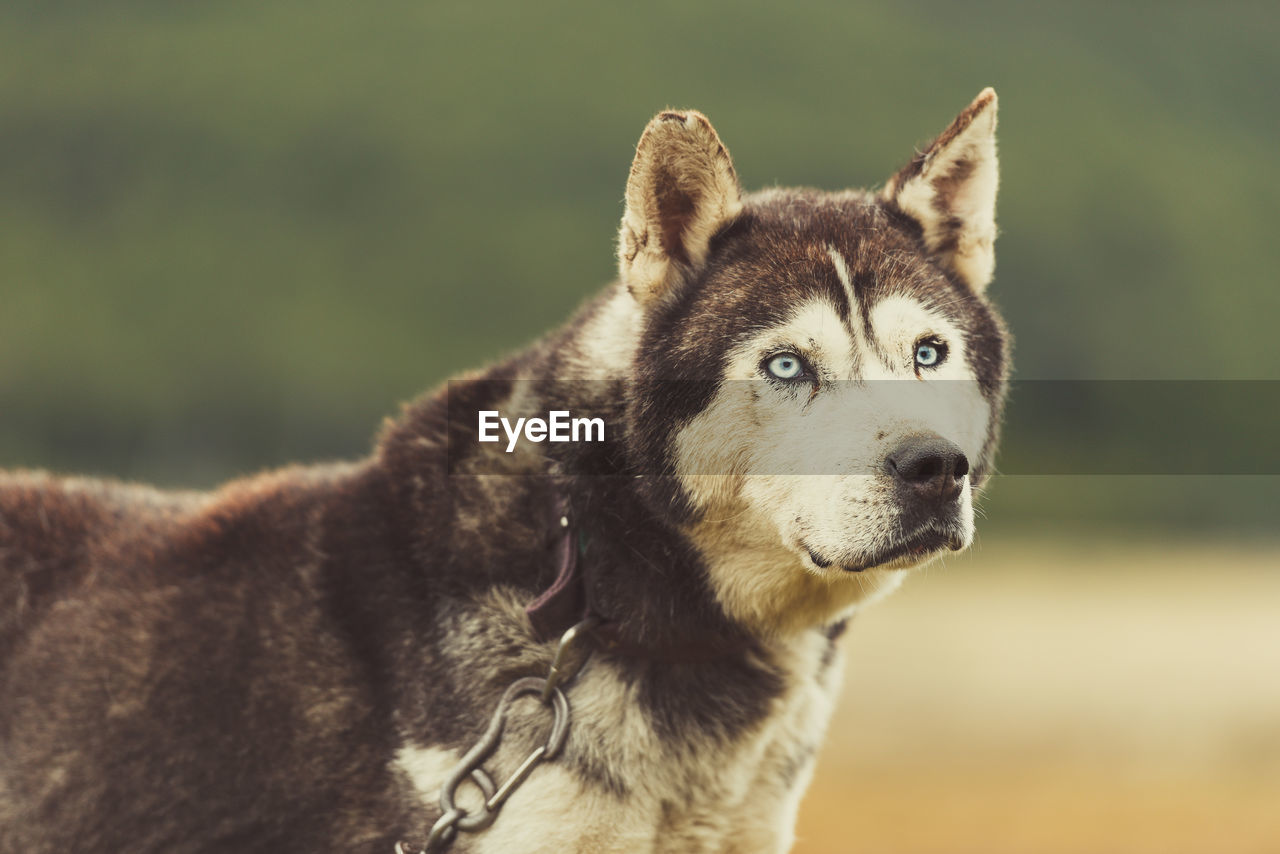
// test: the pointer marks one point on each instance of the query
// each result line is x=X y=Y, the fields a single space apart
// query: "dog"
x=786 y=401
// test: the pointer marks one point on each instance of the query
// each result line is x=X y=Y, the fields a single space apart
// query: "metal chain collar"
x=550 y=693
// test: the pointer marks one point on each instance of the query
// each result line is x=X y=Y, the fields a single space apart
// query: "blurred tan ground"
x=1061 y=697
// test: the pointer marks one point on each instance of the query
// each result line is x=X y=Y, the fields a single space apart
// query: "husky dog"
x=299 y=661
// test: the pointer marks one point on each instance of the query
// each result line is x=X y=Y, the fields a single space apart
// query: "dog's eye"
x=930 y=354
x=785 y=366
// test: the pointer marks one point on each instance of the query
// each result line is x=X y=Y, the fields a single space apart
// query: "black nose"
x=929 y=466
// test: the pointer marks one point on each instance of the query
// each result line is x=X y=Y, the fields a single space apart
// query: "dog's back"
x=170 y=641
x=53 y=532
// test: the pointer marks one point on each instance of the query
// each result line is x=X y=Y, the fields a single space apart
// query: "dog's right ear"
x=682 y=188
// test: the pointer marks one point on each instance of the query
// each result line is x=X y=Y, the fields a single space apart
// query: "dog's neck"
x=638 y=571
x=648 y=579
x=574 y=596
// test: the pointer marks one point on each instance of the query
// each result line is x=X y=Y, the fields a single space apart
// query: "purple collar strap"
x=564 y=603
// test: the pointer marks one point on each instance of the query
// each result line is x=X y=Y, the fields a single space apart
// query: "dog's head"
x=821 y=373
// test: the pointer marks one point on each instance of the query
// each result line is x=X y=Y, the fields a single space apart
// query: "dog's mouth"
x=900 y=555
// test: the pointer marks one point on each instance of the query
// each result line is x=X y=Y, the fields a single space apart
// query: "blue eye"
x=930 y=354
x=785 y=366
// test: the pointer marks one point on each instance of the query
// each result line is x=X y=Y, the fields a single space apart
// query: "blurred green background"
x=235 y=234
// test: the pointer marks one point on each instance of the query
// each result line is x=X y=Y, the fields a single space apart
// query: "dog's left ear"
x=682 y=188
x=950 y=189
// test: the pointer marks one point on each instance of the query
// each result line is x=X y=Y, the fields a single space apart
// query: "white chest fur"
x=734 y=795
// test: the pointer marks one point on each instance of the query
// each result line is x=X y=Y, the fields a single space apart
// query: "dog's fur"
x=295 y=662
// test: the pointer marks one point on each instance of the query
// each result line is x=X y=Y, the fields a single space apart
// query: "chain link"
x=455 y=819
